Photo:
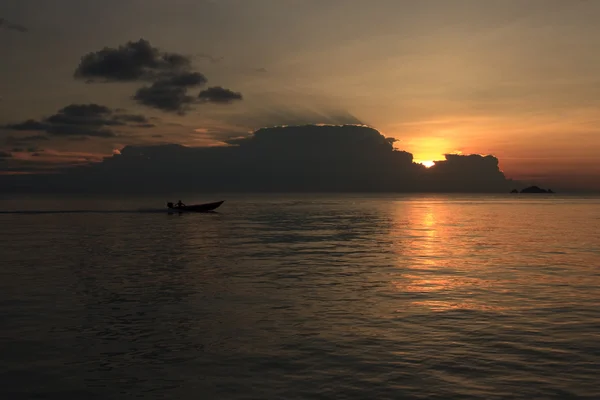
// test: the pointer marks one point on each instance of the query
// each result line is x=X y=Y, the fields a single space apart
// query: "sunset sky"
x=518 y=79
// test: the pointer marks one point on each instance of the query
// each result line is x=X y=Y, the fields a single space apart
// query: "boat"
x=195 y=207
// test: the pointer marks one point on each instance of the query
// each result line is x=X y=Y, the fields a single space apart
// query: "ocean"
x=301 y=297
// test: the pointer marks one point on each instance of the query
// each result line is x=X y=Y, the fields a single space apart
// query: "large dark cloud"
x=132 y=61
x=219 y=95
x=14 y=27
x=286 y=159
x=81 y=120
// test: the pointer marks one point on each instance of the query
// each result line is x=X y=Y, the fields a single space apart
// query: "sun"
x=427 y=164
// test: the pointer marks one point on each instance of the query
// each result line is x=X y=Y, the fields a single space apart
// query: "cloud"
x=170 y=94
x=25 y=150
x=458 y=173
x=138 y=118
x=133 y=61
x=169 y=76
x=294 y=114
x=212 y=59
x=24 y=140
x=29 y=125
x=311 y=158
x=43 y=162
x=14 y=27
x=5 y=154
x=219 y=95
x=185 y=79
x=79 y=120
x=78 y=130
x=83 y=114
x=164 y=97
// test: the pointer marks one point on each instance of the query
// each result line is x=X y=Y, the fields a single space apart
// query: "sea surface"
x=301 y=297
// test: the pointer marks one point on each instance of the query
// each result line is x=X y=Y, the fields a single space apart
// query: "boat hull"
x=197 y=207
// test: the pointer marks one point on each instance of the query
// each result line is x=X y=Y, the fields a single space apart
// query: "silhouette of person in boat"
x=179 y=204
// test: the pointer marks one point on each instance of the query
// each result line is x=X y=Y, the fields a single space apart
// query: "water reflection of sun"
x=435 y=271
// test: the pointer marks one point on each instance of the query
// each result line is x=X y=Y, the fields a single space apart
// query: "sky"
x=514 y=78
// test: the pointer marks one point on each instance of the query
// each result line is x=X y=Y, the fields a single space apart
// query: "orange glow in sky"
x=517 y=80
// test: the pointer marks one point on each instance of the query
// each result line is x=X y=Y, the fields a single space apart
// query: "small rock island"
x=532 y=189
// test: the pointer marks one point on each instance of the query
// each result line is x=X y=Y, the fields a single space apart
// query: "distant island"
x=532 y=189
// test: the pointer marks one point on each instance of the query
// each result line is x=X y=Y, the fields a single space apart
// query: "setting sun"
x=428 y=164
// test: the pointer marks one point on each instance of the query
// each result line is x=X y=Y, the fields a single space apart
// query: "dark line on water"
x=34 y=212
x=138 y=211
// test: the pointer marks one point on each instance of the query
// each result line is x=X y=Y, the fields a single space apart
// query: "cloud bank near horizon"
x=282 y=159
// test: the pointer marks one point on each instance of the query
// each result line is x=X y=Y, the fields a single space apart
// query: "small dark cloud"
x=292 y=115
x=212 y=59
x=137 y=118
x=23 y=144
x=133 y=61
x=91 y=120
x=22 y=141
x=29 y=125
x=164 y=97
x=219 y=95
x=35 y=138
x=78 y=130
x=14 y=27
x=170 y=94
x=185 y=79
x=83 y=114
x=25 y=150
x=85 y=110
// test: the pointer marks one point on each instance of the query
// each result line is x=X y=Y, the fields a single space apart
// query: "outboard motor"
x=170 y=205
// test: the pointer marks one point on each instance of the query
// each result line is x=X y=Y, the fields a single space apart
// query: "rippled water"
x=308 y=297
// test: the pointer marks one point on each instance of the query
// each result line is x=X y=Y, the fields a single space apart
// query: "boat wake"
x=137 y=211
